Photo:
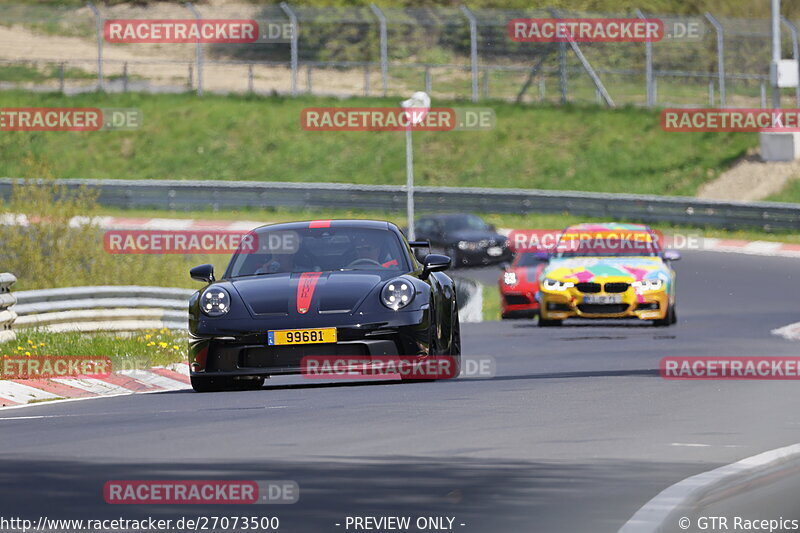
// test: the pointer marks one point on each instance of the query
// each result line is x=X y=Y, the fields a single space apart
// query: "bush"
x=44 y=249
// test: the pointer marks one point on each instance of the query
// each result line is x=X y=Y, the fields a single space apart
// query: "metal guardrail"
x=103 y=308
x=7 y=316
x=186 y=195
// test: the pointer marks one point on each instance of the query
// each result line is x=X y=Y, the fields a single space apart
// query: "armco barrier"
x=103 y=308
x=186 y=195
x=7 y=299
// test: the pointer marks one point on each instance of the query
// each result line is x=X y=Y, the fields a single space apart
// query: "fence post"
x=562 y=62
x=795 y=53
x=648 y=69
x=198 y=51
x=541 y=88
x=366 y=79
x=473 y=49
x=125 y=77
x=763 y=96
x=428 y=83
x=293 y=20
x=191 y=76
x=586 y=66
x=710 y=93
x=486 y=83
x=250 y=80
x=384 y=46
x=720 y=31
x=61 y=74
x=309 y=86
x=98 y=20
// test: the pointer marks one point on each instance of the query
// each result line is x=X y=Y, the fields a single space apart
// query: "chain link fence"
x=451 y=52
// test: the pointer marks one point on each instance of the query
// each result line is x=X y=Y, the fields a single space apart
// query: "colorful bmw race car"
x=349 y=288
x=608 y=271
x=519 y=285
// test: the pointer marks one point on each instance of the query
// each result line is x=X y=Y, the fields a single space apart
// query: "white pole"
x=410 y=183
x=416 y=109
x=776 y=52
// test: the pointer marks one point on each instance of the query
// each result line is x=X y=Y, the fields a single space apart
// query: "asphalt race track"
x=574 y=434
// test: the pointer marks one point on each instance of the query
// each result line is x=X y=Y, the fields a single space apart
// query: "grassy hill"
x=260 y=138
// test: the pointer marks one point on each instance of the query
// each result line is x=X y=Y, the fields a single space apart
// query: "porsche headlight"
x=215 y=301
x=648 y=285
x=397 y=293
x=510 y=278
x=556 y=285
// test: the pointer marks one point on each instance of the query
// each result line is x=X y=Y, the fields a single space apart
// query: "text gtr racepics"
x=608 y=271
x=349 y=288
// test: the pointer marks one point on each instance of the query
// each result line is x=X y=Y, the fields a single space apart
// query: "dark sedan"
x=465 y=238
x=349 y=288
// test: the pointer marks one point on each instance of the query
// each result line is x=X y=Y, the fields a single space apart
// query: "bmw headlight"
x=397 y=293
x=510 y=278
x=648 y=285
x=215 y=301
x=467 y=245
x=556 y=285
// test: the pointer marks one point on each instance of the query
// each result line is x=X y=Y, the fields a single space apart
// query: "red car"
x=519 y=284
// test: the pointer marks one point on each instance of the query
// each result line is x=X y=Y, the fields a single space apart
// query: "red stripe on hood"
x=305 y=290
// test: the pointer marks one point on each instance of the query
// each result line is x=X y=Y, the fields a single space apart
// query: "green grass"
x=140 y=350
x=259 y=138
x=28 y=73
x=790 y=193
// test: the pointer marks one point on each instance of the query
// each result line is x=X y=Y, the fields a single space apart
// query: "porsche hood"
x=307 y=293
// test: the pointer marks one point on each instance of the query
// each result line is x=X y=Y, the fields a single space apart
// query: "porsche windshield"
x=274 y=251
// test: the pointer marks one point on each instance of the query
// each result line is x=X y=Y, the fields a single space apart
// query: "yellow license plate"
x=301 y=336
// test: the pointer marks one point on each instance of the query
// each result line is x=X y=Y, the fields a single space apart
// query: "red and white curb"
x=20 y=392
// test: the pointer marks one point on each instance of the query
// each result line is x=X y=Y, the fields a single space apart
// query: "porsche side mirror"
x=672 y=255
x=204 y=273
x=434 y=263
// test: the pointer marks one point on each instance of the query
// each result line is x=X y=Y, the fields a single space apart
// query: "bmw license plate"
x=602 y=299
x=301 y=336
x=494 y=251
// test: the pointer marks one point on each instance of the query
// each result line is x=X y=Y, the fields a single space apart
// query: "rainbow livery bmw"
x=608 y=271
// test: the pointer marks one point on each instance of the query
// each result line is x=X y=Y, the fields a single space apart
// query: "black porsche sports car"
x=321 y=288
